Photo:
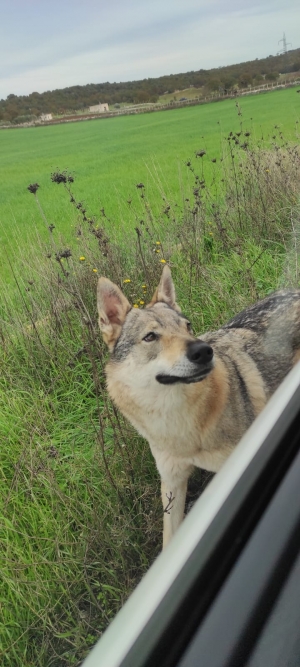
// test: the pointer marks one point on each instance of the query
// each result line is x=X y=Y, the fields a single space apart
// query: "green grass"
x=80 y=515
x=74 y=539
x=58 y=506
x=108 y=157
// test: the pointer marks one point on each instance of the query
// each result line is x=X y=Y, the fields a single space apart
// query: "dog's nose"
x=199 y=352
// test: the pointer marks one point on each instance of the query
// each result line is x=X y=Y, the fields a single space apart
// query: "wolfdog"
x=193 y=398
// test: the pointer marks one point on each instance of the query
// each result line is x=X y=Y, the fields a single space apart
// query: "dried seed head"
x=63 y=254
x=33 y=187
x=59 y=177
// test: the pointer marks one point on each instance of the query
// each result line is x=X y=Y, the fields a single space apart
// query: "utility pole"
x=285 y=44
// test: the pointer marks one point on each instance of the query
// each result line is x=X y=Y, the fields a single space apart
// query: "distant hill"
x=76 y=98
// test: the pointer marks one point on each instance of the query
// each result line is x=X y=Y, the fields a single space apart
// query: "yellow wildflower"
x=135 y=305
x=267 y=170
x=157 y=249
x=162 y=261
x=158 y=242
x=210 y=233
x=127 y=280
x=144 y=286
x=95 y=270
x=82 y=258
x=142 y=302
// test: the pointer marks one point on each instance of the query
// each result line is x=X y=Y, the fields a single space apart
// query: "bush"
x=272 y=76
x=28 y=118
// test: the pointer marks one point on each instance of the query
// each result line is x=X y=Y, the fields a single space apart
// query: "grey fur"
x=192 y=410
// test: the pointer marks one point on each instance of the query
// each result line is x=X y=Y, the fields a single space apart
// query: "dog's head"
x=155 y=343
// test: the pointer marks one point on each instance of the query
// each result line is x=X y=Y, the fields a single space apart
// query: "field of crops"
x=80 y=509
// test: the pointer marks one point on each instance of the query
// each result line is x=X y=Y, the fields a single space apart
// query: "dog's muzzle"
x=200 y=355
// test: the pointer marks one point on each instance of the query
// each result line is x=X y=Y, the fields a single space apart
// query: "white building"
x=46 y=116
x=99 y=108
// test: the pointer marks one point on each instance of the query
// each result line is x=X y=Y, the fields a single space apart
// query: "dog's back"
x=258 y=347
x=269 y=331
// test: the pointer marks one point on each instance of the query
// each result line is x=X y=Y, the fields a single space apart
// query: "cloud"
x=58 y=44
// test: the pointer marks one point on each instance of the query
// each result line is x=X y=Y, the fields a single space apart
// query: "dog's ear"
x=112 y=309
x=165 y=291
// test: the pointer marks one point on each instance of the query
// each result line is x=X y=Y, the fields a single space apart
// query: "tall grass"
x=80 y=508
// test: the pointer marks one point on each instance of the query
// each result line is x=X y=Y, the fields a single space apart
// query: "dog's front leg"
x=173 y=499
x=174 y=473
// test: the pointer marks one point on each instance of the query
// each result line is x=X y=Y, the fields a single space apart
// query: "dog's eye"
x=189 y=327
x=150 y=337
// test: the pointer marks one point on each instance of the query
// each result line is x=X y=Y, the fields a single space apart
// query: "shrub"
x=26 y=118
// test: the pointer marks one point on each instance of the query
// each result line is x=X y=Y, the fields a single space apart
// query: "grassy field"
x=80 y=516
x=108 y=157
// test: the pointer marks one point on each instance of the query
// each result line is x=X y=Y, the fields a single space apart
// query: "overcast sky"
x=48 y=44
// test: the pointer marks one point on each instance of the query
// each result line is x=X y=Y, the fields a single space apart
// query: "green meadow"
x=80 y=508
x=109 y=157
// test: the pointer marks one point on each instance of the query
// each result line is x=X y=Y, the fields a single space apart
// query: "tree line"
x=19 y=108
